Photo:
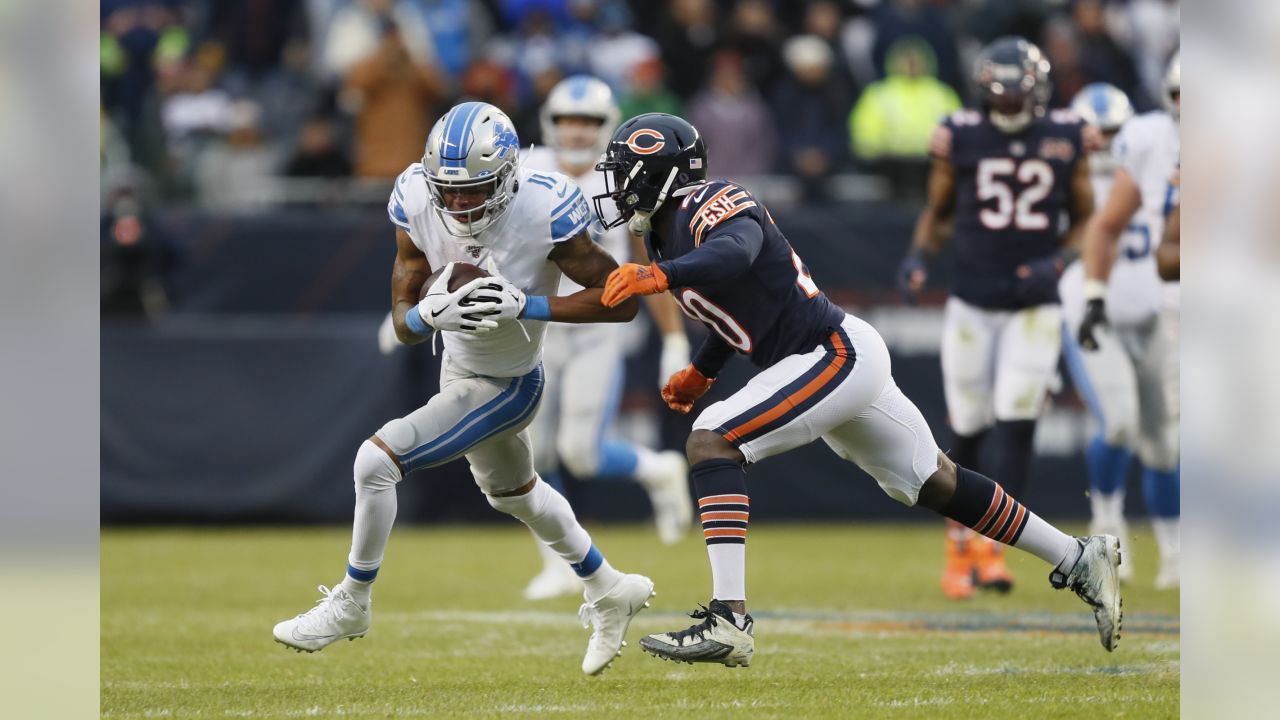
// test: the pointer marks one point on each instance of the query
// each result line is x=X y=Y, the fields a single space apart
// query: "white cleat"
x=557 y=579
x=1169 y=577
x=714 y=640
x=335 y=616
x=609 y=617
x=1096 y=579
x=669 y=493
x=1121 y=532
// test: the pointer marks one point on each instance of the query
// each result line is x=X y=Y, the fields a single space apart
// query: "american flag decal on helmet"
x=695 y=163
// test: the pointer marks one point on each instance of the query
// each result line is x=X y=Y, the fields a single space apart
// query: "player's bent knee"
x=706 y=445
x=525 y=507
x=374 y=469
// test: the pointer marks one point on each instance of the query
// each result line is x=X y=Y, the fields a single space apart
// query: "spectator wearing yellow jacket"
x=895 y=116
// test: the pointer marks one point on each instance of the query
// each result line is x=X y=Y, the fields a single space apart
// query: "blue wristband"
x=536 y=307
x=416 y=324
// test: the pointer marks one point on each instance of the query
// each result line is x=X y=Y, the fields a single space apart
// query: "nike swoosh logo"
x=304 y=637
x=563 y=190
x=436 y=313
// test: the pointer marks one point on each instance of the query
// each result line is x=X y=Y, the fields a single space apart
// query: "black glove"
x=911 y=264
x=1095 y=316
x=1039 y=278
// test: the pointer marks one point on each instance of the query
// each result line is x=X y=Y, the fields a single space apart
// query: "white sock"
x=1048 y=543
x=728 y=571
x=599 y=583
x=361 y=592
x=549 y=517
x=740 y=620
x=376 y=476
x=549 y=556
x=1167 y=536
x=1107 y=509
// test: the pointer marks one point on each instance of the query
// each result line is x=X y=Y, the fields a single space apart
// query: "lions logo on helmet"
x=470 y=150
x=651 y=157
x=1013 y=77
x=1103 y=106
x=579 y=96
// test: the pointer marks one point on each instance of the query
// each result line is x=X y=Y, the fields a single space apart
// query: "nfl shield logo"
x=475 y=250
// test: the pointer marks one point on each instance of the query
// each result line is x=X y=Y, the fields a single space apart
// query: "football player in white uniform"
x=1107 y=378
x=1142 y=196
x=468 y=200
x=584 y=363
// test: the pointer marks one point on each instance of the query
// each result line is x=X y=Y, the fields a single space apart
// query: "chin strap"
x=639 y=222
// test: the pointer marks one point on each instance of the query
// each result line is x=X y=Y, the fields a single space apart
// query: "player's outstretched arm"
x=1169 y=254
x=410 y=271
x=587 y=264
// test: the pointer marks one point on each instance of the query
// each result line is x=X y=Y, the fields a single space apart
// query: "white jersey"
x=1148 y=148
x=1133 y=291
x=615 y=241
x=547 y=209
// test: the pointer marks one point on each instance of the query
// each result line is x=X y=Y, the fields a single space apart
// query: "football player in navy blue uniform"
x=823 y=374
x=1014 y=181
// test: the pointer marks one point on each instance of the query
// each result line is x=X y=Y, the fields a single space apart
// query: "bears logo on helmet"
x=649 y=158
x=658 y=143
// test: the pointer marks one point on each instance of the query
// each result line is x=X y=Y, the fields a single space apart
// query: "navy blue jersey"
x=766 y=309
x=1011 y=191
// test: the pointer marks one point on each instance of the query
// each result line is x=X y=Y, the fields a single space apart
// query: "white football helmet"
x=579 y=96
x=473 y=147
x=1103 y=106
x=1173 y=85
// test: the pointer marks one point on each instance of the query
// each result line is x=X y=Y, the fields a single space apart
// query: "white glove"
x=444 y=310
x=509 y=298
x=675 y=356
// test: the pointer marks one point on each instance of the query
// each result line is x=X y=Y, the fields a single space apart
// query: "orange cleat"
x=992 y=573
x=958 y=574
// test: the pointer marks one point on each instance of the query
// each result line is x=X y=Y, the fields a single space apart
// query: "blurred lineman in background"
x=1143 y=195
x=1107 y=378
x=822 y=374
x=584 y=363
x=1004 y=174
x=469 y=201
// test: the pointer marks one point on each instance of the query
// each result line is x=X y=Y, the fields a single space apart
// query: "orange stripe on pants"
x=796 y=397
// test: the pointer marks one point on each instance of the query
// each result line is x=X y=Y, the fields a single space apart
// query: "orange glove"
x=632 y=279
x=684 y=388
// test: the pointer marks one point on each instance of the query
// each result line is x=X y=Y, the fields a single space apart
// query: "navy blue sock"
x=724 y=509
x=981 y=504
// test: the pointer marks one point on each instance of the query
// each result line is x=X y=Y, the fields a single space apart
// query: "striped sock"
x=984 y=506
x=725 y=508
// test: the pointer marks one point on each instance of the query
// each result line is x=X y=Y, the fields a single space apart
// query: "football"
x=463 y=273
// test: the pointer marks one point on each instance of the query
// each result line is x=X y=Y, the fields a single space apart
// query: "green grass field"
x=850 y=624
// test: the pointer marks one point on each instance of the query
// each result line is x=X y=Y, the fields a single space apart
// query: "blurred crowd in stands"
x=203 y=100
